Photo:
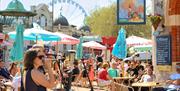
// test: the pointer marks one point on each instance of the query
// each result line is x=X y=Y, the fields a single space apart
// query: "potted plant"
x=155 y=20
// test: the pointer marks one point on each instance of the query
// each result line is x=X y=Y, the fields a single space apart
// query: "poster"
x=131 y=12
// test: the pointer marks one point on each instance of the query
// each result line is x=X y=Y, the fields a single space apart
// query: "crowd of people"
x=42 y=70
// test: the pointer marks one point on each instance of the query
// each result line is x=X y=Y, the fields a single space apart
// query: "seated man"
x=113 y=72
x=173 y=84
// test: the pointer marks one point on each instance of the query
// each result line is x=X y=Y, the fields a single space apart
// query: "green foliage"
x=103 y=22
x=155 y=18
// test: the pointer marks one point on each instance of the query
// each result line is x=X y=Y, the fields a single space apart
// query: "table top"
x=122 y=78
x=145 y=84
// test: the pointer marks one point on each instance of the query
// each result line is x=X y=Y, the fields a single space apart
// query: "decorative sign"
x=166 y=68
x=163 y=51
x=131 y=11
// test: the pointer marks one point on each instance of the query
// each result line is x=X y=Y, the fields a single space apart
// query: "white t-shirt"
x=148 y=78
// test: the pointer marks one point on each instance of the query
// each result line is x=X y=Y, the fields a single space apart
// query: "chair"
x=121 y=87
x=102 y=85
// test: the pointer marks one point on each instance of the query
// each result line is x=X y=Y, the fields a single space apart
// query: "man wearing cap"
x=173 y=83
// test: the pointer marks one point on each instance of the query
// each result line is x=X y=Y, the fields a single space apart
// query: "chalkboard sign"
x=163 y=51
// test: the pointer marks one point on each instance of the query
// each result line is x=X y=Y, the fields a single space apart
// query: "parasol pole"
x=36 y=39
x=57 y=49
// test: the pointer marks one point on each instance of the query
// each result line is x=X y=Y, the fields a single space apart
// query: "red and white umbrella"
x=65 y=39
x=94 y=45
x=137 y=41
x=2 y=36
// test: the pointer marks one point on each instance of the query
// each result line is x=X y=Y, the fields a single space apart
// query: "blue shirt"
x=174 y=76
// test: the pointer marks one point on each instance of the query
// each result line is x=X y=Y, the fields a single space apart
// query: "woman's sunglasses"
x=41 y=57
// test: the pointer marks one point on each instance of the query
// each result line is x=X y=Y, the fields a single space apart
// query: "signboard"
x=163 y=50
x=131 y=11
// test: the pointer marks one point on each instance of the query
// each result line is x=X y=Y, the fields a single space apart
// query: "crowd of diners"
x=42 y=71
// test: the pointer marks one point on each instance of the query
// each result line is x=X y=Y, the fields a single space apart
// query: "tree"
x=103 y=22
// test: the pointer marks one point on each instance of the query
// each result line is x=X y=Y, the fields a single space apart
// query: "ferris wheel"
x=73 y=11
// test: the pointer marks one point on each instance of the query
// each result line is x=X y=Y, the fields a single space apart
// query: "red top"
x=102 y=74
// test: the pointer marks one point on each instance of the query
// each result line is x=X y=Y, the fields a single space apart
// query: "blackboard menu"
x=163 y=51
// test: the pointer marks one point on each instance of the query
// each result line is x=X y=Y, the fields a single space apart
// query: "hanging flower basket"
x=155 y=20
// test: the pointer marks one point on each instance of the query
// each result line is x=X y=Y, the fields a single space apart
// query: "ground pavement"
x=75 y=88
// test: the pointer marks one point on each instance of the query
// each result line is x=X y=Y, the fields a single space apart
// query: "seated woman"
x=103 y=77
x=149 y=77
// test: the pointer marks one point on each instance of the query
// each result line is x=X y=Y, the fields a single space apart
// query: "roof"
x=85 y=28
x=62 y=21
x=16 y=8
x=15 y=5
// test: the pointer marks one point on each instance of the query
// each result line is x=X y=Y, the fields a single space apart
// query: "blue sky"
x=71 y=12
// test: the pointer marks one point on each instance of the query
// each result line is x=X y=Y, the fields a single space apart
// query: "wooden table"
x=145 y=84
x=120 y=80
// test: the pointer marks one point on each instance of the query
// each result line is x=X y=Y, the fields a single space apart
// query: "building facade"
x=171 y=27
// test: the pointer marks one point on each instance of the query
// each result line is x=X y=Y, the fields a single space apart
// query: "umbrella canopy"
x=137 y=41
x=94 y=45
x=36 y=33
x=79 y=49
x=16 y=53
x=7 y=43
x=65 y=39
x=120 y=48
x=1 y=36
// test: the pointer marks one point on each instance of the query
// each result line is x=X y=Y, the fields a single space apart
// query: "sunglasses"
x=41 y=57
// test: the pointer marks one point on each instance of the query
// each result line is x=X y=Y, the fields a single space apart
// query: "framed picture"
x=131 y=11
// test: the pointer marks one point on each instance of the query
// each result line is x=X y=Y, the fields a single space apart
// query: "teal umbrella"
x=16 y=53
x=79 y=49
x=120 y=48
x=36 y=33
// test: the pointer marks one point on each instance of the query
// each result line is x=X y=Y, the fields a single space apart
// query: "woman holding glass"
x=33 y=78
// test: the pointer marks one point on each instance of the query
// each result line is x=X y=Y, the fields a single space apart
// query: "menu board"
x=163 y=51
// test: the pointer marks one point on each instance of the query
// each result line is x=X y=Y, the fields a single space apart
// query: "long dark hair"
x=29 y=57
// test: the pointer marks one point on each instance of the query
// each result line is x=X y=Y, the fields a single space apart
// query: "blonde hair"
x=105 y=65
